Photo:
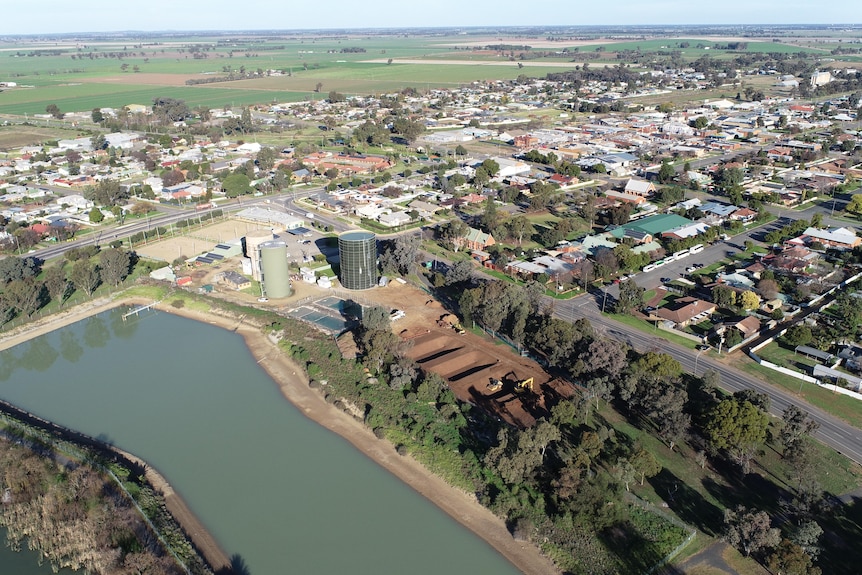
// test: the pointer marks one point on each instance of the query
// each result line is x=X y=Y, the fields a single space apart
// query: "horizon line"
x=549 y=27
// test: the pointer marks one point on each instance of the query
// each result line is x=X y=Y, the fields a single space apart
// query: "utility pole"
x=697 y=357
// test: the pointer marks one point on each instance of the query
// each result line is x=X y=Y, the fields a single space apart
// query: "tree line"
x=25 y=288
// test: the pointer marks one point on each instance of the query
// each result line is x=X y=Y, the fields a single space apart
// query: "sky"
x=70 y=16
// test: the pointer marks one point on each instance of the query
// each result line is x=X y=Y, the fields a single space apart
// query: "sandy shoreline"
x=293 y=384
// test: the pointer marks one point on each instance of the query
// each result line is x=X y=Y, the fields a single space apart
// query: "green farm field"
x=88 y=96
x=692 y=51
x=80 y=77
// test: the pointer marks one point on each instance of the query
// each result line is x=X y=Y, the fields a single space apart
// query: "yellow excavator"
x=524 y=385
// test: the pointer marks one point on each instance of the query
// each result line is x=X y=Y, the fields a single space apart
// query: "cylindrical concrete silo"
x=274 y=272
x=358 y=258
x=253 y=240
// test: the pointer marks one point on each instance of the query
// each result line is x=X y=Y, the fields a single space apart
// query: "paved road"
x=105 y=235
x=835 y=433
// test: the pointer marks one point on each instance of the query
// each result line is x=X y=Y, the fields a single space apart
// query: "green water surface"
x=275 y=489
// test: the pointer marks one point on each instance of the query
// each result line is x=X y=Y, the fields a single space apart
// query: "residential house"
x=426 y=209
x=686 y=231
x=562 y=180
x=718 y=210
x=685 y=311
x=394 y=219
x=747 y=326
x=838 y=238
x=792 y=259
x=627 y=198
x=743 y=215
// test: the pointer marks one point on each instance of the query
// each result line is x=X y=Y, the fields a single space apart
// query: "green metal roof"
x=655 y=225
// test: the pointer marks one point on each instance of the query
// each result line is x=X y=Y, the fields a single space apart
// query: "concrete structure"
x=357 y=251
x=253 y=240
x=274 y=272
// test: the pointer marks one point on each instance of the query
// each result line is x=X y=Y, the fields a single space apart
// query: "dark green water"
x=24 y=562
x=274 y=488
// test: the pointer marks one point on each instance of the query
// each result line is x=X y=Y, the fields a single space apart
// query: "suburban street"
x=835 y=433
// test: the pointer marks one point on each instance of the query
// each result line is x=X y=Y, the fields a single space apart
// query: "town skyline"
x=100 y=16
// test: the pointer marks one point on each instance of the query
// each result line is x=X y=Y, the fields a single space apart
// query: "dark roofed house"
x=792 y=259
x=235 y=280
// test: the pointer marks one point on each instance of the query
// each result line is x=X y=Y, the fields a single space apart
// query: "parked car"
x=665 y=280
x=703 y=347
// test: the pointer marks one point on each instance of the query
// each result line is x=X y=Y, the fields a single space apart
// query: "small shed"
x=823 y=356
x=235 y=280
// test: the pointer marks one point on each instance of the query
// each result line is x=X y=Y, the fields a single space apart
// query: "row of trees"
x=26 y=289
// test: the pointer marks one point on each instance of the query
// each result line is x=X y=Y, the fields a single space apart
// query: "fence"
x=692 y=532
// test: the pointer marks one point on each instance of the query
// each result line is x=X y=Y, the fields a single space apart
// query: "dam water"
x=275 y=489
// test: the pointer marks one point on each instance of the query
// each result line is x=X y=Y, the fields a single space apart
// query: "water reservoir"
x=358 y=253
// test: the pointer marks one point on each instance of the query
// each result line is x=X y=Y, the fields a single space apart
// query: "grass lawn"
x=784 y=357
x=649 y=327
x=842 y=406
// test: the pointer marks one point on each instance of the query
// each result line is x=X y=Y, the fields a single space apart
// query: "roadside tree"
x=85 y=277
x=750 y=531
x=631 y=297
x=400 y=254
x=57 y=284
x=115 y=265
x=738 y=428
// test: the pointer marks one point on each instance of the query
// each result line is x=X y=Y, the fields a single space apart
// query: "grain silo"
x=274 y=273
x=358 y=259
x=253 y=241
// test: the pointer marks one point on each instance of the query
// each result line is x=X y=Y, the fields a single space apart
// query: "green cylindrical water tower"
x=357 y=251
x=273 y=266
